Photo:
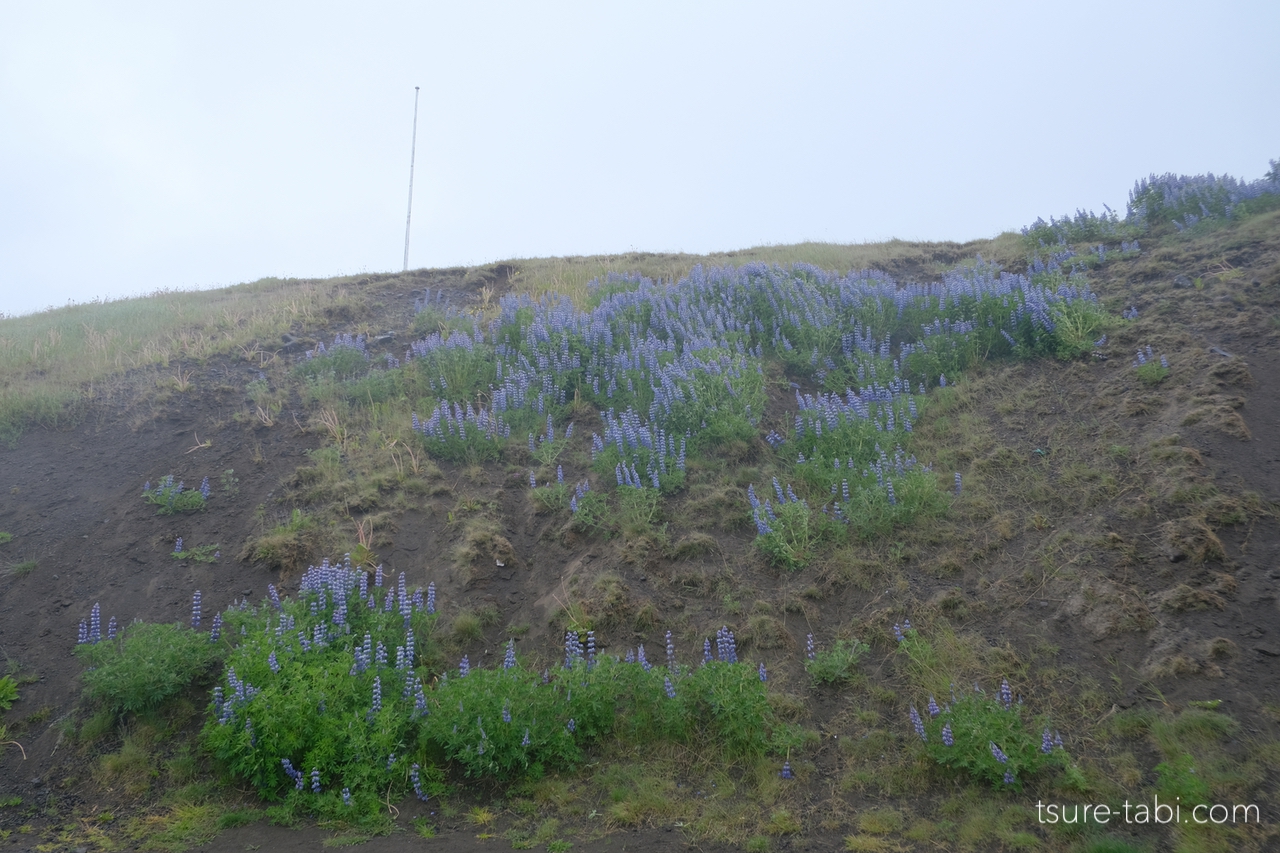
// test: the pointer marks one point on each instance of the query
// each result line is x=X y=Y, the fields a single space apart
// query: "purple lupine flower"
x=376 y=705
x=764 y=676
x=346 y=796
x=571 y=726
x=272 y=662
x=1164 y=362
x=559 y=474
x=417 y=783
x=706 y=652
x=947 y=737
x=1009 y=778
x=533 y=480
x=273 y=595
x=906 y=624
x=897 y=632
x=1046 y=742
x=525 y=741
x=177 y=545
x=640 y=658
x=1006 y=695
x=111 y=628
x=204 y=488
x=1057 y=740
x=671 y=653
x=431 y=597
x=315 y=780
x=83 y=637
x=810 y=647
x=506 y=711
x=998 y=753
x=591 y=648
x=510 y=660
x=195 y=610
x=957 y=482
x=942 y=380
x=669 y=687
x=464 y=667
x=918 y=723
x=786 y=771
x=934 y=710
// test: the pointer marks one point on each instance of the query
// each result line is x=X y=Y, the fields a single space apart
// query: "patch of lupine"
x=1084 y=225
x=984 y=736
x=323 y=703
x=1186 y=199
x=677 y=367
x=341 y=341
x=173 y=497
x=195 y=609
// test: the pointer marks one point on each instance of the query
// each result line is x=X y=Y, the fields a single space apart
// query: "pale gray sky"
x=174 y=145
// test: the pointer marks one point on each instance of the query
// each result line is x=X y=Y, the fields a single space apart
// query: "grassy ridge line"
x=569 y=276
x=47 y=359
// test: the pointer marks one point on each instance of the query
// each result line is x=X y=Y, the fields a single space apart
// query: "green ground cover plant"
x=8 y=692
x=173 y=497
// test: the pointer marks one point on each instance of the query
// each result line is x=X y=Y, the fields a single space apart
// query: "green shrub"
x=8 y=693
x=146 y=664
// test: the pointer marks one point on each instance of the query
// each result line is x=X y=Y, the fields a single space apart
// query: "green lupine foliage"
x=981 y=728
x=146 y=664
x=312 y=705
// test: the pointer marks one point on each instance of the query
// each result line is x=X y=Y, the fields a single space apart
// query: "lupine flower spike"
x=918 y=724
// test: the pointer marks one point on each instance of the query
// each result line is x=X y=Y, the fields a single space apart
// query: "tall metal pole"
x=412 y=151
